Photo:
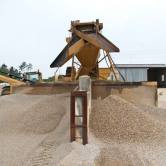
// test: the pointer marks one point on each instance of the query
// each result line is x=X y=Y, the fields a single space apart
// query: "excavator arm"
x=11 y=81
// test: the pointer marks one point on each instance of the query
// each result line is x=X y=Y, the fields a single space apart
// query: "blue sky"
x=35 y=30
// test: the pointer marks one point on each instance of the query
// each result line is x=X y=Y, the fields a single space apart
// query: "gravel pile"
x=26 y=122
x=115 y=119
x=114 y=156
x=35 y=131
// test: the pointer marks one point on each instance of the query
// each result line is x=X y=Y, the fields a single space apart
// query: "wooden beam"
x=72 y=71
x=87 y=38
x=112 y=66
x=98 y=40
x=75 y=48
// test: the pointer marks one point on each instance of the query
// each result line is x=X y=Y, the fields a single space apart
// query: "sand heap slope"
x=35 y=131
x=25 y=123
x=115 y=119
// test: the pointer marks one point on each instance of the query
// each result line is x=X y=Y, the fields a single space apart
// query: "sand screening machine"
x=84 y=47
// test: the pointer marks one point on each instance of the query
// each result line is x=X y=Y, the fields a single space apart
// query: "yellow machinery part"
x=11 y=81
x=88 y=56
x=104 y=73
x=75 y=48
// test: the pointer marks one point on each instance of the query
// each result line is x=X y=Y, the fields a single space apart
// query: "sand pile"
x=26 y=122
x=35 y=131
x=114 y=119
x=113 y=156
x=155 y=112
x=30 y=114
x=132 y=155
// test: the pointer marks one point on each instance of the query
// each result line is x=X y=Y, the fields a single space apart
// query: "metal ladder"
x=73 y=116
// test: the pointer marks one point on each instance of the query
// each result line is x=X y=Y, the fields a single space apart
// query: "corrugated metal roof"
x=141 y=65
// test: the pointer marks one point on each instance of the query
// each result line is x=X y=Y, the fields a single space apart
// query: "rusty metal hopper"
x=85 y=43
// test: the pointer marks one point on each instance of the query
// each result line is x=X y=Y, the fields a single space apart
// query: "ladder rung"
x=79 y=126
x=78 y=115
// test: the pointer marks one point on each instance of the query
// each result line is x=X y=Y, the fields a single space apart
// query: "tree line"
x=17 y=72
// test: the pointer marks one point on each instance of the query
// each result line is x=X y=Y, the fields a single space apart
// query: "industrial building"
x=142 y=72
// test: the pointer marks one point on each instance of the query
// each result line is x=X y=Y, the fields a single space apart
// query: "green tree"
x=11 y=71
x=22 y=66
x=29 y=67
x=4 y=69
x=25 y=67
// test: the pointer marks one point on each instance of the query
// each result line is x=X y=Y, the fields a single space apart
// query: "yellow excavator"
x=12 y=82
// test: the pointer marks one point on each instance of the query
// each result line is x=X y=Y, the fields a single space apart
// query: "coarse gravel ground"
x=131 y=135
x=34 y=130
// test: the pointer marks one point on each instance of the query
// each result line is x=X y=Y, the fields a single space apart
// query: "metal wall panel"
x=134 y=74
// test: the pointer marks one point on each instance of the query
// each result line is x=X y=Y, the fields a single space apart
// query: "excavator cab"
x=33 y=77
